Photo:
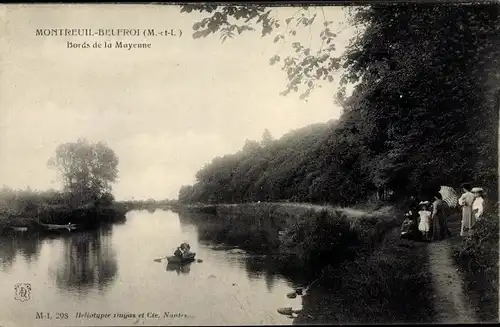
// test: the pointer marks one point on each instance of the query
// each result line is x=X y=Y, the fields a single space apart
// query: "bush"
x=321 y=238
x=480 y=250
x=26 y=207
x=390 y=285
x=478 y=258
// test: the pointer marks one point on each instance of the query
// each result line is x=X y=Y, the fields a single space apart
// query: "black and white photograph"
x=232 y=163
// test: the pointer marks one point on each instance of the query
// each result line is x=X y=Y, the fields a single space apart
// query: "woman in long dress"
x=478 y=204
x=465 y=201
x=438 y=218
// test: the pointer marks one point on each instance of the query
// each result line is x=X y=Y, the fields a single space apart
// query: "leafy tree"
x=87 y=169
x=267 y=138
x=305 y=67
x=424 y=110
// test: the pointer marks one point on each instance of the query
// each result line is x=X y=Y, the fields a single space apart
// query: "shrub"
x=478 y=258
x=480 y=251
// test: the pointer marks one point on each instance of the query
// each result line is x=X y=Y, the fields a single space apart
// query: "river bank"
x=389 y=285
x=350 y=255
x=297 y=235
x=347 y=255
x=357 y=256
x=35 y=217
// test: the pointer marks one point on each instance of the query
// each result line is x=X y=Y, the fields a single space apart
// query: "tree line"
x=423 y=113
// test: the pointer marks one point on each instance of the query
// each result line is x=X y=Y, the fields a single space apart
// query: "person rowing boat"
x=178 y=252
x=186 y=250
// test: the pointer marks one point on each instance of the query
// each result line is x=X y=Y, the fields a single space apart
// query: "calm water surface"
x=112 y=270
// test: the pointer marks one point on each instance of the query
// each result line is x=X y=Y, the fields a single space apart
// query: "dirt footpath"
x=450 y=303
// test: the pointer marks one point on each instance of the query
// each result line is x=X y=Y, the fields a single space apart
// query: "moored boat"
x=20 y=229
x=52 y=227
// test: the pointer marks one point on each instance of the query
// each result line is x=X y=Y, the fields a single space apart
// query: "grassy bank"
x=355 y=257
x=477 y=258
x=299 y=235
x=197 y=208
x=389 y=285
x=28 y=209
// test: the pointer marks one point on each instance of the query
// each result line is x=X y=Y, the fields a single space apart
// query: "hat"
x=477 y=190
x=466 y=186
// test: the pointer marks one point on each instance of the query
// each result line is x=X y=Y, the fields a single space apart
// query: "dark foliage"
x=424 y=111
x=478 y=258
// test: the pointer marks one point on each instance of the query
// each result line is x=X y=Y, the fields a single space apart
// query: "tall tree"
x=267 y=138
x=87 y=169
x=424 y=109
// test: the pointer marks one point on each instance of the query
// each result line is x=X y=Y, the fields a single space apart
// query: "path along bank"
x=361 y=271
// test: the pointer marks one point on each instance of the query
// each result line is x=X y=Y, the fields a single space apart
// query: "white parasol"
x=449 y=196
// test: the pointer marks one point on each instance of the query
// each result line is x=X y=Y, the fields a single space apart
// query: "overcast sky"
x=165 y=111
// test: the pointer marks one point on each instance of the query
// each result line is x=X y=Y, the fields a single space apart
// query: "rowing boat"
x=20 y=229
x=68 y=227
x=187 y=259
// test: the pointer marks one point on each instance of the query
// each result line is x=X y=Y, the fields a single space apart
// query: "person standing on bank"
x=478 y=204
x=465 y=201
x=438 y=218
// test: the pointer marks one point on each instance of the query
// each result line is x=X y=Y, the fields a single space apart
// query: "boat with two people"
x=182 y=255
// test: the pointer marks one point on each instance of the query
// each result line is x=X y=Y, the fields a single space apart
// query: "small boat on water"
x=20 y=229
x=52 y=227
x=181 y=260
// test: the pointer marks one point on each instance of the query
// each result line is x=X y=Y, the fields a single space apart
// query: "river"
x=112 y=271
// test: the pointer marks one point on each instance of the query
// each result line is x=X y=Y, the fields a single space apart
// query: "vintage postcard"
x=249 y=164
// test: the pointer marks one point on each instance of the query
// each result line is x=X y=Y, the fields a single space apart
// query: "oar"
x=159 y=259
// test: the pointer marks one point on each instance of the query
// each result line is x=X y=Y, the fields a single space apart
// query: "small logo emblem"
x=23 y=291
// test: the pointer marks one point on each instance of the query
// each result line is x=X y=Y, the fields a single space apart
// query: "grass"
x=314 y=236
x=332 y=235
x=390 y=285
x=477 y=258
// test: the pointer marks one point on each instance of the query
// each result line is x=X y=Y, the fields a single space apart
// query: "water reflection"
x=8 y=250
x=270 y=282
x=224 y=288
x=26 y=245
x=256 y=267
x=179 y=268
x=29 y=246
x=87 y=262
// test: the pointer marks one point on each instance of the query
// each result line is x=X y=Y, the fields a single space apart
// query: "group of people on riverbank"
x=472 y=203
x=428 y=220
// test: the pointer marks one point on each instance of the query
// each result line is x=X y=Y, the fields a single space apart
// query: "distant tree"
x=87 y=169
x=267 y=138
x=251 y=146
x=185 y=193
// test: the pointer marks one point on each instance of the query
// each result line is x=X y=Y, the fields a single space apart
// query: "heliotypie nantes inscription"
x=117 y=315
